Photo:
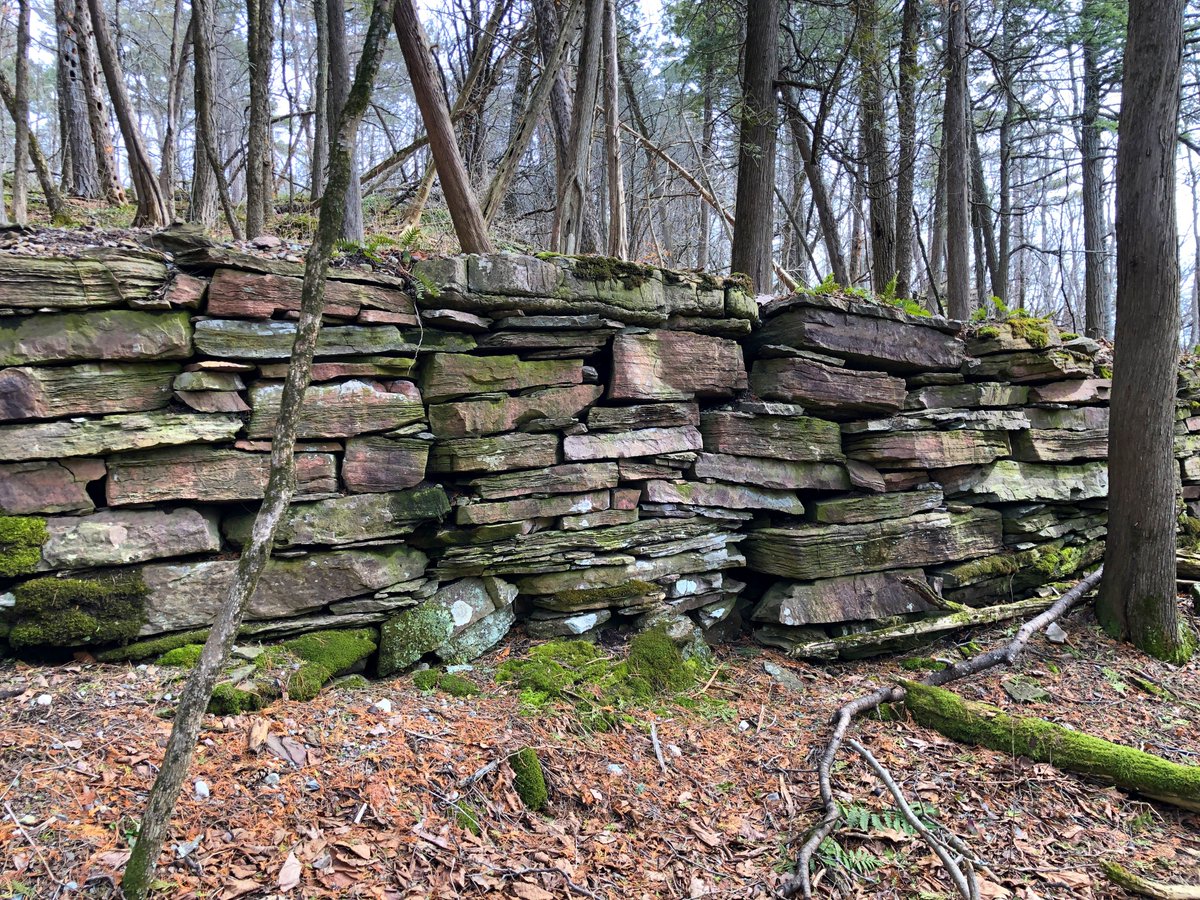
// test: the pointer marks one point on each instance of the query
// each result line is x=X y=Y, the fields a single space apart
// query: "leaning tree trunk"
x=1095 y=313
x=754 y=207
x=468 y=220
x=573 y=193
x=151 y=210
x=320 y=147
x=618 y=235
x=816 y=183
x=259 y=163
x=54 y=198
x=339 y=90
x=1137 y=597
x=281 y=484
x=906 y=115
x=102 y=136
x=20 y=182
x=548 y=32
x=957 y=164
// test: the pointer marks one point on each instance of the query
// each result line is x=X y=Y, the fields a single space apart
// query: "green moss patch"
x=454 y=685
x=405 y=638
x=185 y=657
x=152 y=647
x=230 y=700
x=21 y=540
x=530 y=780
x=607 y=268
x=599 y=688
x=323 y=654
x=608 y=595
x=468 y=817
x=68 y=612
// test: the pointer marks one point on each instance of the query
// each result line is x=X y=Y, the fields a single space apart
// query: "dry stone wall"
x=576 y=444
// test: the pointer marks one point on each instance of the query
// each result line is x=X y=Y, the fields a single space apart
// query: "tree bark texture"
x=203 y=207
x=1095 y=305
x=320 y=150
x=618 y=234
x=260 y=18
x=20 y=182
x=906 y=115
x=1137 y=597
x=339 y=89
x=880 y=200
x=754 y=227
x=54 y=199
x=573 y=193
x=102 y=136
x=957 y=164
x=84 y=180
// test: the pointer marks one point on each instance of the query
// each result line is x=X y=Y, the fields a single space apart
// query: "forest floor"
x=349 y=798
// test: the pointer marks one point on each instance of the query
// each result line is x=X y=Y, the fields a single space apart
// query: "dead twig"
x=662 y=764
x=33 y=845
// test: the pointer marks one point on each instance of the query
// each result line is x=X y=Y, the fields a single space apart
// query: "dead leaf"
x=527 y=891
x=1068 y=879
x=289 y=873
x=239 y=887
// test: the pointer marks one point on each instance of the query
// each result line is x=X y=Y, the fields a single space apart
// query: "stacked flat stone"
x=977 y=464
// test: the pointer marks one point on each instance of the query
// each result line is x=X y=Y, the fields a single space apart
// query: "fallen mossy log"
x=1072 y=751
x=1137 y=884
x=888 y=638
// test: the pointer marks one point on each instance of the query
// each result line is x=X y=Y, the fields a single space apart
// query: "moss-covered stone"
x=1035 y=331
x=185 y=657
x=230 y=700
x=655 y=657
x=405 y=638
x=69 y=612
x=152 y=647
x=608 y=268
x=603 y=597
x=454 y=685
x=21 y=540
x=530 y=780
x=323 y=654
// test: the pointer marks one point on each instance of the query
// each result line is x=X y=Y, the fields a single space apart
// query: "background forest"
x=859 y=180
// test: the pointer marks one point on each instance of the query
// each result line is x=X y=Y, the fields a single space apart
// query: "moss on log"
x=1042 y=741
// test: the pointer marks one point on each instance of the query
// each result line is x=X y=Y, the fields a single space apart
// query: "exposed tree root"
x=1147 y=888
x=801 y=883
x=1072 y=751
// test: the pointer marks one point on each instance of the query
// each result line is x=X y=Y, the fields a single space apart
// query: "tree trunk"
x=816 y=184
x=20 y=183
x=203 y=12
x=177 y=63
x=54 y=199
x=468 y=220
x=1137 y=597
x=84 y=180
x=981 y=207
x=516 y=114
x=754 y=206
x=906 y=116
x=937 y=225
x=567 y=234
x=260 y=15
x=281 y=484
x=618 y=235
x=151 y=210
x=957 y=164
x=203 y=207
x=548 y=34
x=102 y=136
x=881 y=204
x=706 y=141
x=1095 y=305
x=320 y=151
x=1004 y=242
x=339 y=89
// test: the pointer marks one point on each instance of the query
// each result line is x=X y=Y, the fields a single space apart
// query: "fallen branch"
x=964 y=881
x=1147 y=888
x=881 y=640
x=984 y=725
x=802 y=883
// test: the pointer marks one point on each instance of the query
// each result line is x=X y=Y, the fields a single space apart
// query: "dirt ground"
x=348 y=799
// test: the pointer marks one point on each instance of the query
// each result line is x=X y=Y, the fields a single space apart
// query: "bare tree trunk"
x=957 y=164
x=20 y=186
x=339 y=89
x=1194 y=183
x=981 y=206
x=281 y=484
x=213 y=168
x=937 y=227
x=1004 y=242
x=1137 y=600
x=906 y=115
x=567 y=233
x=516 y=113
x=548 y=34
x=618 y=235
x=260 y=15
x=1095 y=312
x=881 y=204
x=754 y=207
x=54 y=199
x=102 y=137
x=84 y=180
x=203 y=206
x=543 y=91
x=468 y=220
x=177 y=63
x=706 y=140
x=320 y=151
x=151 y=210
